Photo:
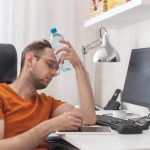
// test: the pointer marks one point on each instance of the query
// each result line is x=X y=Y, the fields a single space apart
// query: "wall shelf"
x=126 y=14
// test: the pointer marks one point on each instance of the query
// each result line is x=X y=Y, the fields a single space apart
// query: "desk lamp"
x=105 y=52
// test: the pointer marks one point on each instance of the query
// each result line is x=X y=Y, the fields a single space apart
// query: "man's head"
x=39 y=63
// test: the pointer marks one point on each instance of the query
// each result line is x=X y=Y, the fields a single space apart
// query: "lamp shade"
x=100 y=55
x=105 y=52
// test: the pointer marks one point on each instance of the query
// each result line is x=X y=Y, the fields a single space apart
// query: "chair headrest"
x=8 y=63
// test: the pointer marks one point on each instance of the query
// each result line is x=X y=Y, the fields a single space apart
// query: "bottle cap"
x=53 y=30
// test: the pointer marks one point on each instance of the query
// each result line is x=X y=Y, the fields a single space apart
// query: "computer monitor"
x=137 y=84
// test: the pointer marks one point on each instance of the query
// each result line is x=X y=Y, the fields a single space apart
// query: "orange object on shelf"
x=113 y=3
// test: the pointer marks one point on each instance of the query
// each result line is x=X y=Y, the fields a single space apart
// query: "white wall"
x=106 y=77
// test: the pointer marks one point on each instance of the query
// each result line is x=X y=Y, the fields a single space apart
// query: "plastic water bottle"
x=54 y=40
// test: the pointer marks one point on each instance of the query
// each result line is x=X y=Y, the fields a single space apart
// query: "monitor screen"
x=137 y=84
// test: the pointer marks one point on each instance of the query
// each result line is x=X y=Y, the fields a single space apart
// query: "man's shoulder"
x=44 y=95
x=3 y=87
x=3 y=84
x=3 y=91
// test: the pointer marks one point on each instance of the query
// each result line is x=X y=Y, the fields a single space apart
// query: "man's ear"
x=29 y=59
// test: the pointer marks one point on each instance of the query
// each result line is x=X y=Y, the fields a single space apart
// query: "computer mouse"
x=57 y=143
x=128 y=129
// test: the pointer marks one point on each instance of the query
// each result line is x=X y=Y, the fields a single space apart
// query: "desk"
x=111 y=141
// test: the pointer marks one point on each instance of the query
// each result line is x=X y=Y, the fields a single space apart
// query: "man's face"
x=44 y=69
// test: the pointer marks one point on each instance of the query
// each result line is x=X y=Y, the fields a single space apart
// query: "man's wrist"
x=79 y=67
x=50 y=126
x=45 y=128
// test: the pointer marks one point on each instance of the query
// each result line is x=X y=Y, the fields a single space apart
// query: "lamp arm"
x=103 y=34
x=90 y=46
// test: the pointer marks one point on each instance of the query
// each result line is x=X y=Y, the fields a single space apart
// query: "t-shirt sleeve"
x=1 y=110
x=56 y=103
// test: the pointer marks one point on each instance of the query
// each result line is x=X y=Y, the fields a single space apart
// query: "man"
x=31 y=116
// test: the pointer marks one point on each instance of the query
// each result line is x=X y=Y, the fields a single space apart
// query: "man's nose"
x=54 y=71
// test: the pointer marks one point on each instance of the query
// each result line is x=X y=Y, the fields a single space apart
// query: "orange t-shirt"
x=21 y=115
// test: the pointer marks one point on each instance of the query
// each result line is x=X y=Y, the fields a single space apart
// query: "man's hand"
x=69 y=54
x=69 y=121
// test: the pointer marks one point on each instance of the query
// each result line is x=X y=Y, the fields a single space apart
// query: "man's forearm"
x=86 y=96
x=26 y=141
x=29 y=139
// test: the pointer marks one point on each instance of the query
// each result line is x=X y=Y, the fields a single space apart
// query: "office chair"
x=8 y=63
x=57 y=143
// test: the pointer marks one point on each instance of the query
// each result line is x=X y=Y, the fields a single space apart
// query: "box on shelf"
x=97 y=7
x=100 y=6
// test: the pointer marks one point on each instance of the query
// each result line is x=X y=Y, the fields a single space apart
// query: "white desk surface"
x=111 y=141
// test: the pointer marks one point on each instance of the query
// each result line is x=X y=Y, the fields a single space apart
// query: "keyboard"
x=144 y=120
x=121 y=125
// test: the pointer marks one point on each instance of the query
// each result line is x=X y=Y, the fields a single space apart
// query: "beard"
x=38 y=83
x=41 y=86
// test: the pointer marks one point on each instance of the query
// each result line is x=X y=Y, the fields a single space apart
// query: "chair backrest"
x=8 y=63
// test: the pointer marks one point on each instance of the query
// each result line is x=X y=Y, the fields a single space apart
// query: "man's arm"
x=26 y=141
x=85 y=91
x=86 y=96
x=66 y=107
x=31 y=138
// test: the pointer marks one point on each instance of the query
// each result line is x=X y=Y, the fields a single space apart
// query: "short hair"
x=35 y=46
